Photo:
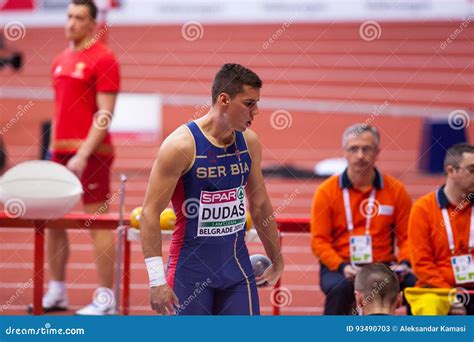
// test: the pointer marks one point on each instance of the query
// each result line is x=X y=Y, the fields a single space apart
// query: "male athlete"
x=210 y=168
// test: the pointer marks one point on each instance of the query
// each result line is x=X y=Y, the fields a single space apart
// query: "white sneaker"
x=103 y=303
x=52 y=301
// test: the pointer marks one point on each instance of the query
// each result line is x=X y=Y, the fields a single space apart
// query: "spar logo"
x=240 y=193
x=225 y=196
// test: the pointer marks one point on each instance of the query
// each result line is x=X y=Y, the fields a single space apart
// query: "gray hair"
x=454 y=153
x=357 y=129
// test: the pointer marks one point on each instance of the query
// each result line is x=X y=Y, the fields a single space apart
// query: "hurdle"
x=287 y=225
x=111 y=221
x=69 y=221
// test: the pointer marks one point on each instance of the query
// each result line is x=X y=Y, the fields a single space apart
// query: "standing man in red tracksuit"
x=86 y=81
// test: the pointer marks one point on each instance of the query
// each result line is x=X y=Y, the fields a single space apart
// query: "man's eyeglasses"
x=468 y=169
x=367 y=149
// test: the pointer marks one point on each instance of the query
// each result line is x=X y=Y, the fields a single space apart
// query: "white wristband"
x=156 y=272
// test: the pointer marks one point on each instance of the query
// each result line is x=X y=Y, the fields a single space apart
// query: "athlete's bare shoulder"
x=178 y=148
x=253 y=142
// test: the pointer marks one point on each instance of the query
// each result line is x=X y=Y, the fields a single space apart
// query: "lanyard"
x=368 y=217
x=449 y=229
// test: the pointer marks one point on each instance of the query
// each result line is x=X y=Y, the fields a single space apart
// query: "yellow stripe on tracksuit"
x=243 y=272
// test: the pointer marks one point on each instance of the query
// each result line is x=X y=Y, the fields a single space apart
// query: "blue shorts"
x=214 y=280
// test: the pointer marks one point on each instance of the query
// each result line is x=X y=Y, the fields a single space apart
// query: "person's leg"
x=196 y=297
x=97 y=200
x=191 y=280
x=57 y=254
x=339 y=292
x=239 y=299
x=104 y=248
x=96 y=184
x=57 y=250
x=237 y=293
x=57 y=244
x=408 y=281
x=468 y=301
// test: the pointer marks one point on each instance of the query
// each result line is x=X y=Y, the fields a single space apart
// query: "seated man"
x=358 y=217
x=377 y=291
x=441 y=231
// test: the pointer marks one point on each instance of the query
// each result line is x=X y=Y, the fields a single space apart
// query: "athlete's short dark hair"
x=231 y=78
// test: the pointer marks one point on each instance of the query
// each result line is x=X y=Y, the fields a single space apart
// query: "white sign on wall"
x=137 y=116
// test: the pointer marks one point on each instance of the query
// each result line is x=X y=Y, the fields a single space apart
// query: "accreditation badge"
x=463 y=268
x=361 y=249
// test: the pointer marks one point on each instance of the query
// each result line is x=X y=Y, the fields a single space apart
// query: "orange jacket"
x=329 y=234
x=429 y=246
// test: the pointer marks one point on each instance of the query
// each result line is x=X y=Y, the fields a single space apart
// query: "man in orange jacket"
x=441 y=228
x=359 y=217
